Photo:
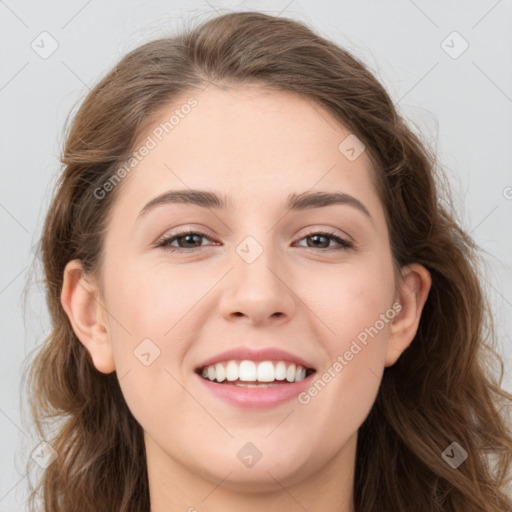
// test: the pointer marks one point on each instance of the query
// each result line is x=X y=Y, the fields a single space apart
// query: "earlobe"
x=81 y=300
x=412 y=295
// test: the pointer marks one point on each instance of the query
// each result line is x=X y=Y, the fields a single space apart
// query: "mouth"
x=254 y=374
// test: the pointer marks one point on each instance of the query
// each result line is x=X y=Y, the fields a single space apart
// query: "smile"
x=255 y=384
x=247 y=373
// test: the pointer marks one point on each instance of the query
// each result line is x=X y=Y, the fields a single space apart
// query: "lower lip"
x=256 y=398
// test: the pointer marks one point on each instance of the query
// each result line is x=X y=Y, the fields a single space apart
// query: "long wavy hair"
x=445 y=387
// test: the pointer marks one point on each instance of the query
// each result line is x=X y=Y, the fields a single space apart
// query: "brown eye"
x=191 y=240
x=186 y=240
x=321 y=240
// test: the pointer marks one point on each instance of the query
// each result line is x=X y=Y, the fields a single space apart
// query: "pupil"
x=317 y=237
x=188 y=238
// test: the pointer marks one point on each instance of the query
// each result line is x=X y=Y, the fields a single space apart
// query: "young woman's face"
x=258 y=277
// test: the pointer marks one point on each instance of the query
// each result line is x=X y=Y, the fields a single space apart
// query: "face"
x=280 y=274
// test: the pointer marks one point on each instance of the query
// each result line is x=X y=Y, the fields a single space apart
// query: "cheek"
x=152 y=301
x=352 y=301
x=151 y=320
x=342 y=394
x=150 y=309
x=356 y=306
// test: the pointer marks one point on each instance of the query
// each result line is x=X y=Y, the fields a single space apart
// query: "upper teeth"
x=249 y=371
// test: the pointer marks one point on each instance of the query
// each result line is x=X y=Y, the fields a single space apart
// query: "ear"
x=412 y=294
x=82 y=302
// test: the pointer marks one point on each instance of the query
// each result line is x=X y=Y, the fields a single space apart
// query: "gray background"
x=463 y=105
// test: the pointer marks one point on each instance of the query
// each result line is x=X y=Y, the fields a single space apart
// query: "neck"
x=173 y=486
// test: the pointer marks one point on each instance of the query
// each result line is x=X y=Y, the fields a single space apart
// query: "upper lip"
x=264 y=354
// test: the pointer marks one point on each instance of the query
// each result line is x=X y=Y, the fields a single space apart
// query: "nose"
x=258 y=292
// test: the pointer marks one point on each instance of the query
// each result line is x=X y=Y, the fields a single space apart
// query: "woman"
x=326 y=348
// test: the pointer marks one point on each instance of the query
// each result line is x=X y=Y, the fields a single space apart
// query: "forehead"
x=248 y=141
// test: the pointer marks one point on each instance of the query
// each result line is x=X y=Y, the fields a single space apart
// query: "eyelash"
x=164 y=243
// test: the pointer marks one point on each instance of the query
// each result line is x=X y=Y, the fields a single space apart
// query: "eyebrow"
x=294 y=202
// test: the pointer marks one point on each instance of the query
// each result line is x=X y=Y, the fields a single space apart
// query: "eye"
x=319 y=238
x=191 y=240
x=186 y=240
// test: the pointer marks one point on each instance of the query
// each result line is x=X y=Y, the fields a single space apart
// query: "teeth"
x=220 y=372
x=232 y=371
x=266 y=372
x=247 y=371
x=301 y=374
x=280 y=371
x=250 y=371
x=290 y=373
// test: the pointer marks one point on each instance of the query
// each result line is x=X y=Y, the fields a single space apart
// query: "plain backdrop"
x=446 y=64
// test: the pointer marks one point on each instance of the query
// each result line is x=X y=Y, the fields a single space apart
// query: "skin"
x=258 y=146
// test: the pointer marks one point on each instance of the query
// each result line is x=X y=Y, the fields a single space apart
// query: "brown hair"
x=442 y=389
